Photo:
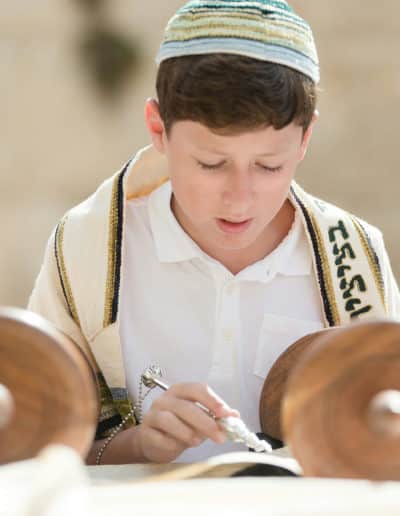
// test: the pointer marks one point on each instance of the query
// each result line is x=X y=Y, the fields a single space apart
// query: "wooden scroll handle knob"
x=49 y=393
x=384 y=413
x=274 y=387
x=341 y=408
x=6 y=406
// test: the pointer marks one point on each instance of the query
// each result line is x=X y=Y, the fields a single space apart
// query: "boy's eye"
x=214 y=166
x=270 y=169
x=210 y=166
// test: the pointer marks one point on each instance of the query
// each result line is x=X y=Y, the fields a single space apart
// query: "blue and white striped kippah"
x=269 y=30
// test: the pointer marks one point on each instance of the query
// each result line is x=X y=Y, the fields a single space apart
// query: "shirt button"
x=228 y=335
x=230 y=289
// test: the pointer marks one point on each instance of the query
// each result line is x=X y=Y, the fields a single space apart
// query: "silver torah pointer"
x=234 y=428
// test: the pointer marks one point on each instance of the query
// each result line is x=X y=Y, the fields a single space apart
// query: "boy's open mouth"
x=227 y=226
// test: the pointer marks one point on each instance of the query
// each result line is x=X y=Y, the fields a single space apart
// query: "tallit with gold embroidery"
x=345 y=263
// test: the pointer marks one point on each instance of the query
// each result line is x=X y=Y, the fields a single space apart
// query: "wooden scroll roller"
x=334 y=398
x=48 y=391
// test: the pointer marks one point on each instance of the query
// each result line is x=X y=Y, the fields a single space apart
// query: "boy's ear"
x=154 y=123
x=307 y=135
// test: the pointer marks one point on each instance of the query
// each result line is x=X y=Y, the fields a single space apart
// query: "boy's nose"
x=238 y=190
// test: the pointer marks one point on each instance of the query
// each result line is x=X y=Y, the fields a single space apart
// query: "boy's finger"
x=193 y=416
x=203 y=394
x=170 y=424
x=160 y=447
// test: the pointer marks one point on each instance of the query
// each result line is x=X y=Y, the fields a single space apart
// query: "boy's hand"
x=175 y=423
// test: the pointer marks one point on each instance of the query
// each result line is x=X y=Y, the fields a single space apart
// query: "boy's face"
x=228 y=190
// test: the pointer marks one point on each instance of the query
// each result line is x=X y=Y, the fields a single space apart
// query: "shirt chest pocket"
x=276 y=335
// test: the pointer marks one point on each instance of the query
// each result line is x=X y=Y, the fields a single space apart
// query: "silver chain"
x=138 y=408
x=112 y=435
x=136 y=412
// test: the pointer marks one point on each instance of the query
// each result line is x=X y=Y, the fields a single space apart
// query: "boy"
x=203 y=256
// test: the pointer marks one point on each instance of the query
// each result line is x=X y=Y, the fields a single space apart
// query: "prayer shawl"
x=78 y=288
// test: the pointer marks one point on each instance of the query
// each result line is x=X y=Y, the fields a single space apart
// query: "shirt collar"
x=171 y=241
x=290 y=258
x=294 y=258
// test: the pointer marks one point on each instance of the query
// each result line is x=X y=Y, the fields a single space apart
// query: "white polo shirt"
x=184 y=311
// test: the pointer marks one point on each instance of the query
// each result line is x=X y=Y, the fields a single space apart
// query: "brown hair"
x=232 y=93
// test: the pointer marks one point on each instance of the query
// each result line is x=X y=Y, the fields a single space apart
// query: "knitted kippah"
x=269 y=30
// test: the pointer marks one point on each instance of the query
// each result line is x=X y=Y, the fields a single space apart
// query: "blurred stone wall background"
x=60 y=137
